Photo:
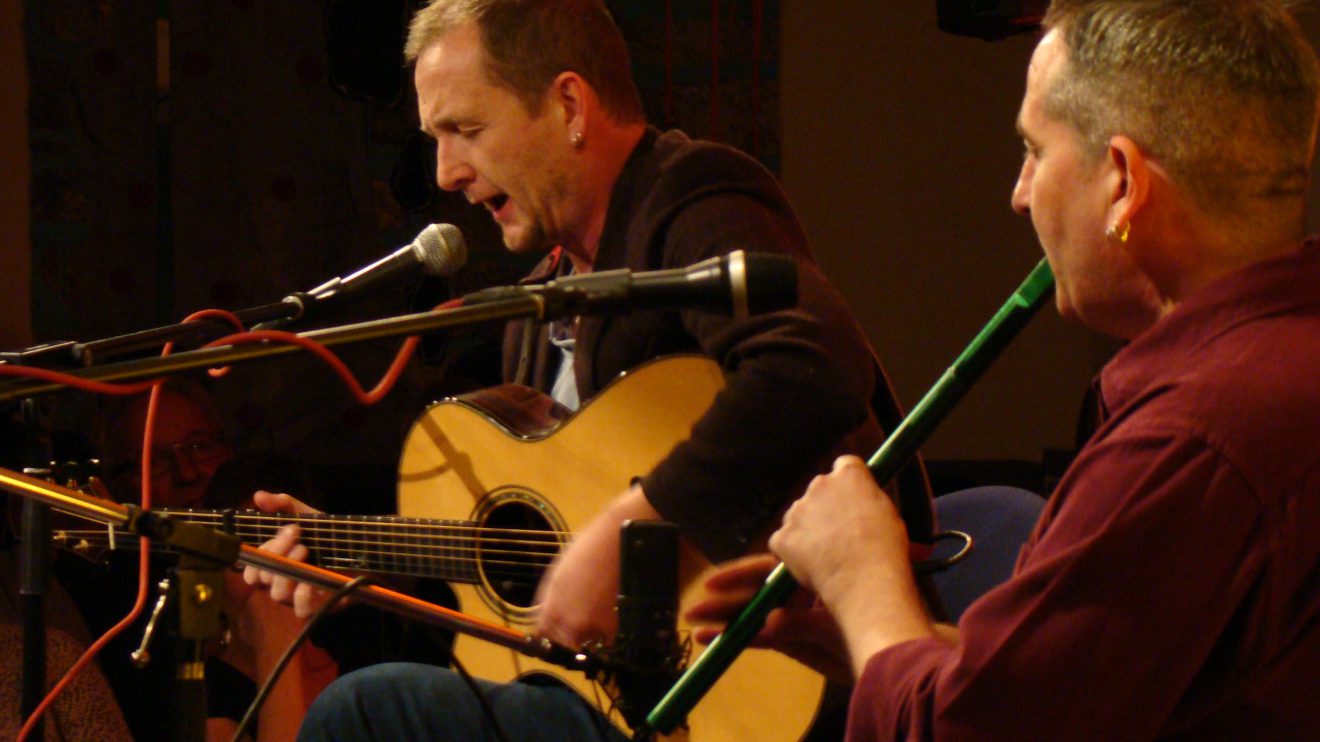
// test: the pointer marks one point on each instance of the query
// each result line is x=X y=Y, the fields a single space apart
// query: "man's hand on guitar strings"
x=304 y=598
x=578 y=594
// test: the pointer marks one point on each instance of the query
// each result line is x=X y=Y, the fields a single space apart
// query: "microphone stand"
x=34 y=583
x=34 y=580
x=211 y=544
x=542 y=305
x=205 y=552
x=99 y=351
x=543 y=302
x=72 y=353
x=720 y=285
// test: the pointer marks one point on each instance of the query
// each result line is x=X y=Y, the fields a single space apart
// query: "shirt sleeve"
x=1118 y=607
x=797 y=381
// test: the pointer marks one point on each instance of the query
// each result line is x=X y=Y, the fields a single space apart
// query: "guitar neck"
x=418 y=547
x=373 y=543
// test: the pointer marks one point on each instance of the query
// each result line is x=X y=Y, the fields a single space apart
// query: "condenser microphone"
x=439 y=250
x=646 y=650
x=738 y=283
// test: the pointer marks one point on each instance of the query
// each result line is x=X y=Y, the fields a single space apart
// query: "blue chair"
x=999 y=520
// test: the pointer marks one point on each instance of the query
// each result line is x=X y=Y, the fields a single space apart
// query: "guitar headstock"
x=85 y=538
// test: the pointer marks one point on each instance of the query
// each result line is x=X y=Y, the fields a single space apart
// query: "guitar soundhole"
x=519 y=539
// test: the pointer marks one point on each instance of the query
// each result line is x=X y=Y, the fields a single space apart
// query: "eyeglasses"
x=199 y=449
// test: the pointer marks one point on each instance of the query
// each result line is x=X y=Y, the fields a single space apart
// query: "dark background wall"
x=14 y=294
x=900 y=154
x=894 y=140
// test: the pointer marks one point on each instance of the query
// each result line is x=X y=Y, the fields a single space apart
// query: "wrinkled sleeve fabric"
x=797 y=380
x=1117 y=608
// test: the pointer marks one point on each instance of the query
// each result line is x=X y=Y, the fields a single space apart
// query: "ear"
x=568 y=95
x=1131 y=176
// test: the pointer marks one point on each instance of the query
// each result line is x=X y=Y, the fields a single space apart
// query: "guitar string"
x=387 y=523
x=389 y=538
x=334 y=533
x=331 y=544
x=425 y=564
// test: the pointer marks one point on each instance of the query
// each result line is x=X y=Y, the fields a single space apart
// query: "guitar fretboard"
x=458 y=551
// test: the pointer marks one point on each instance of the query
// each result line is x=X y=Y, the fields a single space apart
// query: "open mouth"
x=495 y=203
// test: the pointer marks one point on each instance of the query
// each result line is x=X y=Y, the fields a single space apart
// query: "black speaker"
x=989 y=19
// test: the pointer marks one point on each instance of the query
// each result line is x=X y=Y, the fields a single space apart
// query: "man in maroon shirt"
x=1172 y=587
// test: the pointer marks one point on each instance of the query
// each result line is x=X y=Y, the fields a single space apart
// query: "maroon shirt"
x=1172 y=586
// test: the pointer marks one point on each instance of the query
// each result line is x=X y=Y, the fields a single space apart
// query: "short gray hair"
x=1221 y=92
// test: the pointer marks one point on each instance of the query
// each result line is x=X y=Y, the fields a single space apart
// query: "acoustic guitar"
x=491 y=486
x=534 y=482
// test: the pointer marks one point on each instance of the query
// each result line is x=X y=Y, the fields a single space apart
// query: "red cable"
x=337 y=365
x=144 y=553
x=144 y=558
x=383 y=387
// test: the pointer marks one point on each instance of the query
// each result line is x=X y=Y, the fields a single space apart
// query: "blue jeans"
x=406 y=701
x=403 y=701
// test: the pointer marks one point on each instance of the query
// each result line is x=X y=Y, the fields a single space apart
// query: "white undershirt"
x=565 y=390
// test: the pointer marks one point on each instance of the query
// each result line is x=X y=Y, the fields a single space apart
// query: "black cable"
x=481 y=698
x=935 y=566
x=600 y=719
x=250 y=717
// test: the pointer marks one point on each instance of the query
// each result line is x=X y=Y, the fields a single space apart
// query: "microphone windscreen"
x=441 y=249
x=772 y=282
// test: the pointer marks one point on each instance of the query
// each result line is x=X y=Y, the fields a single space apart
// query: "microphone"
x=738 y=283
x=438 y=250
x=646 y=649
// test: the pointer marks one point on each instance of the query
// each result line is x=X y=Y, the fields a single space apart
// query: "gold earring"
x=1119 y=232
x=577 y=140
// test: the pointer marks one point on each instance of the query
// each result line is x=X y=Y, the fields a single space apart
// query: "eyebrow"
x=445 y=123
x=1022 y=132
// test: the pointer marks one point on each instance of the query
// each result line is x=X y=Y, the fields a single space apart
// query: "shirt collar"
x=1279 y=285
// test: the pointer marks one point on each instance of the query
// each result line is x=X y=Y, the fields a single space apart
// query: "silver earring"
x=577 y=140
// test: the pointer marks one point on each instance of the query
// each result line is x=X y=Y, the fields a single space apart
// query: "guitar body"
x=463 y=461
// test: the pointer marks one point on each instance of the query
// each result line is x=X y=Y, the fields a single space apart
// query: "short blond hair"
x=528 y=43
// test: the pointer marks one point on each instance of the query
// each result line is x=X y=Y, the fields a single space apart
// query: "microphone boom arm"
x=511 y=307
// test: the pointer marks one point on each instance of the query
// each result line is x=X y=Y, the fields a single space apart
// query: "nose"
x=452 y=172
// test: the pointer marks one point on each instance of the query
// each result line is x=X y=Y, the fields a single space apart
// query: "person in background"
x=87 y=710
x=192 y=460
